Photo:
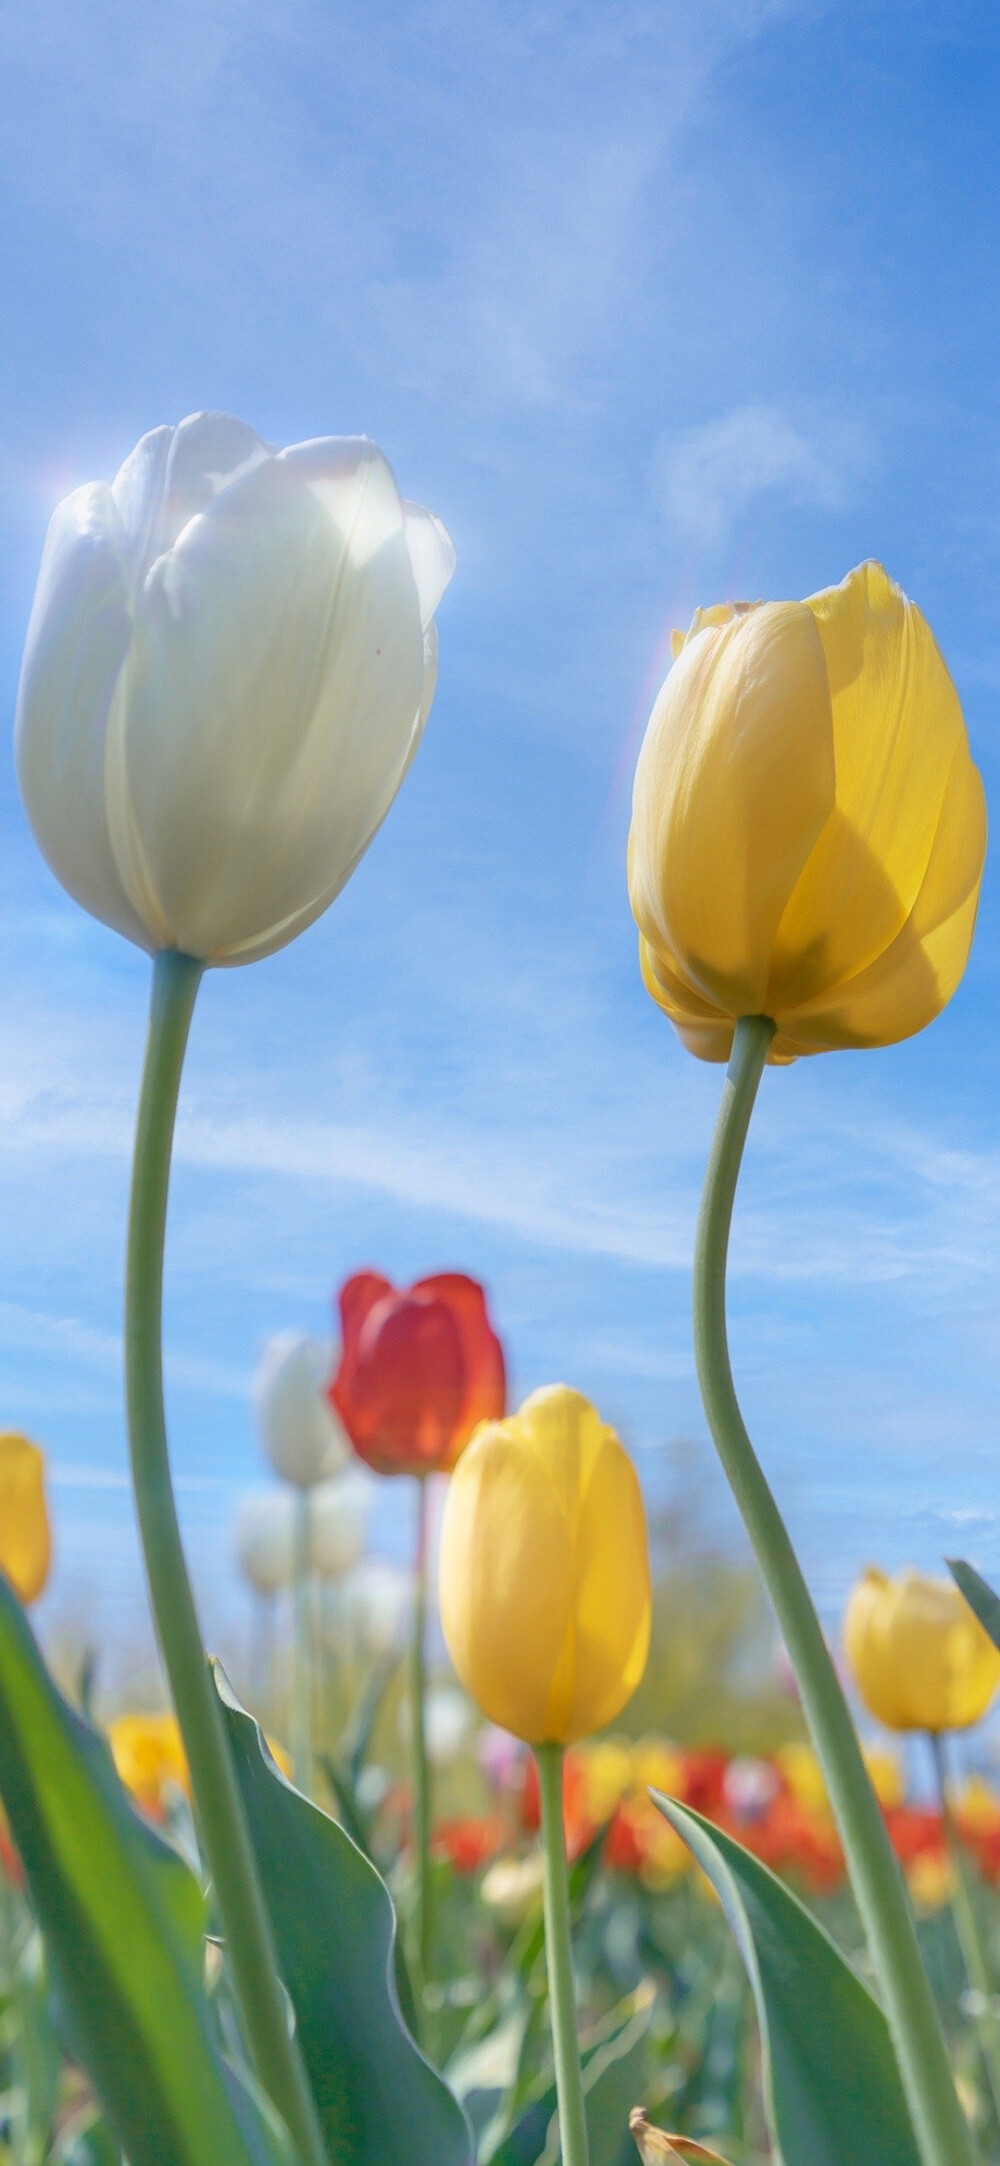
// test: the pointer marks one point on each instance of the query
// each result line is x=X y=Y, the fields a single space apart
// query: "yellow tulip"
x=545 y=1598
x=920 y=1658
x=25 y=1541
x=808 y=826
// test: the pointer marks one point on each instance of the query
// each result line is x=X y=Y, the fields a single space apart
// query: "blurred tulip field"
x=667 y=2012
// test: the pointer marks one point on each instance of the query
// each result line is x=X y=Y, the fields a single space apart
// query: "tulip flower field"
x=666 y=2011
x=436 y=1876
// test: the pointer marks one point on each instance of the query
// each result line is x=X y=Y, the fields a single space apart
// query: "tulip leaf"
x=122 y=1921
x=831 y=2085
x=614 y=2067
x=980 y=1597
x=334 y=1928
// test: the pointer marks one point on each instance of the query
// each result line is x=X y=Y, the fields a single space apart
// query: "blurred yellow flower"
x=930 y=1880
x=25 y=1540
x=149 y=1755
x=808 y=827
x=803 y=1775
x=977 y=1805
x=887 y=1777
x=920 y=1658
x=544 y=1571
x=605 y=1775
x=657 y=1765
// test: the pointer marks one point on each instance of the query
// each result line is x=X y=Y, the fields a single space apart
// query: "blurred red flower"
x=419 y=1370
x=467 y=1843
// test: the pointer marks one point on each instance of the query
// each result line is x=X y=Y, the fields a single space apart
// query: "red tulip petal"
x=485 y=1394
x=406 y=1385
x=356 y=1300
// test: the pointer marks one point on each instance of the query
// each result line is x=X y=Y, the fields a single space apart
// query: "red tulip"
x=418 y=1371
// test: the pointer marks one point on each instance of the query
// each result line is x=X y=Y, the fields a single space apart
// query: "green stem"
x=418 y=1731
x=939 y=2123
x=559 y=1961
x=302 y=1680
x=221 y=1822
x=963 y=1912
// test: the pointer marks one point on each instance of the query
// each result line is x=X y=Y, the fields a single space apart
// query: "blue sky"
x=654 y=306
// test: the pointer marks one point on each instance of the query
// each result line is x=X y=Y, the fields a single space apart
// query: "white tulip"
x=230 y=660
x=376 y=1603
x=301 y=1434
x=338 y=1522
x=447 y=1722
x=264 y=1539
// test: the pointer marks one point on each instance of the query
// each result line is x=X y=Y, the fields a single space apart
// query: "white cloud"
x=712 y=475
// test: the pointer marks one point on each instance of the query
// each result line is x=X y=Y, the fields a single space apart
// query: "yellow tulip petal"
x=612 y=1610
x=544 y=1572
x=897 y=732
x=808 y=826
x=914 y=978
x=920 y=1658
x=506 y=1558
x=735 y=782
x=25 y=1539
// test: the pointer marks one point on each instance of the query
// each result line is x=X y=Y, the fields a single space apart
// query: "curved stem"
x=939 y=2123
x=559 y=1961
x=967 y=1930
x=218 y=1807
x=418 y=1733
x=302 y=1676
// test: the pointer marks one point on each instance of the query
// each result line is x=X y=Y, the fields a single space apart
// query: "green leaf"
x=831 y=2084
x=613 y=2062
x=122 y=1919
x=85 y=2140
x=980 y=1597
x=333 y=1923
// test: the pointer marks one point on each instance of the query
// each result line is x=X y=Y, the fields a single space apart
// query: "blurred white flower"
x=376 y=1605
x=338 y=1522
x=749 y=1787
x=264 y=1538
x=513 y=1886
x=447 y=1722
x=230 y=660
x=301 y=1434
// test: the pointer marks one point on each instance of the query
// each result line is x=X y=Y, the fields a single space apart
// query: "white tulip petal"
x=432 y=554
x=339 y=1511
x=172 y=475
x=78 y=639
x=230 y=663
x=264 y=1538
x=266 y=712
x=301 y=1434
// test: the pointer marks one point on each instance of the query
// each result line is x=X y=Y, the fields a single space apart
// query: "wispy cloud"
x=712 y=476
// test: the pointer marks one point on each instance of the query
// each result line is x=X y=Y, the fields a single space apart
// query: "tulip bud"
x=418 y=1370
x=302 y=1436
x=920 y=1658
x=338 y=1519
x=25 y=1541
x=544 y=1570
x=229 y=664
x=808 y=827
x=264 y=1539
